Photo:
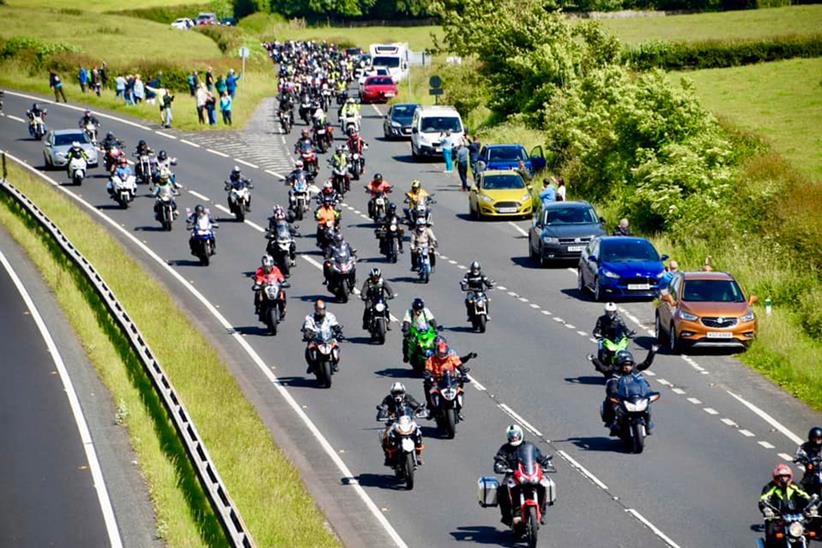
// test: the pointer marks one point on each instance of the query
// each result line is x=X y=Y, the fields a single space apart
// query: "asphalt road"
x=695 y=485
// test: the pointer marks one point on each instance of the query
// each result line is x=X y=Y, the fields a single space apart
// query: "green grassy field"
x=96 y=5
x=782 y=101
x=265 y=485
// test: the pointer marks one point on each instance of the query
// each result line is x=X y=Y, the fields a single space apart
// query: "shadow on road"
x=149 y=228
x=483 y=534
x=586 y=379
x=256 y=330
x=598 y=443
x=377 y=480
x=299 y=382
x=184 y=262
x=397 y=373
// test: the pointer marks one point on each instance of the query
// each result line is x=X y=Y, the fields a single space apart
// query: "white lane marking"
x=534 y=305
x=522 y=421
x=677 y=391
x=283 y=138
x=462 y=267
x=584 y=471
x=558 y=319
x=217 y=152
x=272 y=378
x=443 y=257
x=13 y=117
x=452 y=261
x=312 y=261
x=570 y=326
x=357 y=211
x=746 y=433
x=189 y=143
x=166 y=135
x=765 y=444
x=223 y=208
x=274 y=174
x=693 y=400
x=376 y=109
x=663 y=382
x=710 y=410
x=582 y=333
x=254 y=225
x=76 y=410
x=522 y=299
x=79 y=109
x=518 y=228
x=665 y=538
x=692 y=363
x=785 y=456
x=477 y=384
x=729 y=422
x=548 y=313
x=249 y=164
x=649 y=373
x=513 y=294
x=769 y=419
x=502 y=288
x=200 y=196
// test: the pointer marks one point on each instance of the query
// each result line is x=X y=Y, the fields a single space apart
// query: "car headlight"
x=688 y=316
x=550 y=240
x=748 y=317
x=659 y=276
x=395 y=124
x=61 y=155
x=525 y=198
x=609 y=274
x=486 y=199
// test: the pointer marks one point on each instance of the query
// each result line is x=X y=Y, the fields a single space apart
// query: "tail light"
x=780 y=535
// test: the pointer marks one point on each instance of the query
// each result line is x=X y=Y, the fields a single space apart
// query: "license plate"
x=638 y=287
x=389 y=94
x=507 y=210
x=578 y=248
x=720 y=335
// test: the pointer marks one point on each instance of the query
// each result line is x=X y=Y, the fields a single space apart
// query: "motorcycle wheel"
x=298 y=214
x=395 y=249
x=78 y=180
x=449 y=423
x=637 y=438
x=379 y=331
x=285 y=267
x=123 y=204
x=342 y=292
x=425 y=276
x=479 y=323
x=418 y=364
x=167 y=226
x=324 y=374
x=408 y=470
x=532 y=527
x=272 y=319
x=204 y=258
x=240 y=214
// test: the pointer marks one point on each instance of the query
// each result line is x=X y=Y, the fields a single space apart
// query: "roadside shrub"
x=40 y=49
x=228 y=39
x=810 y=313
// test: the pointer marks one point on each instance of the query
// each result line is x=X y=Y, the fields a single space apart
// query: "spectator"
x=130 y=89
x=670 y=270
x=209 y=79
x=462 y=165
x=94 y=81
x=474 y=151
x=139 y=90
x=561 y=189
x=104 y=74
x=56 y=84
x=231 y=83
x=83 y=78
x=151 y=90
x=225 y=108
x=191 y=81
x=706 y=266
x=120 y=87
x=447 y=145
x=211 y=108
x=220 y=86
x=165 y=108
x=622 y=228
x=548 y=194
x=524 y=172
x=202 y=95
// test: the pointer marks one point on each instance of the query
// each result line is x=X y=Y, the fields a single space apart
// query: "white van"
x=394 y=57
x=428 y=128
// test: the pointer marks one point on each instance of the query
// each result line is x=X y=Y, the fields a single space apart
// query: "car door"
x=537 y=158
x=535 y=233
x=666 y=310
x=588 y=267
x=386 y=123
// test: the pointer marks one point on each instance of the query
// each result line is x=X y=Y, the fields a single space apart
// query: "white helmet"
x=610 y=308
x=397 y=391
x=514 y=435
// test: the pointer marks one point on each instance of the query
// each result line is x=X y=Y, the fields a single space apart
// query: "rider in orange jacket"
x=444 y=359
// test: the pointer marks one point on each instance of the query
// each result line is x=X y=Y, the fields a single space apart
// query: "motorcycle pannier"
x=550 y=490
x=487 y=487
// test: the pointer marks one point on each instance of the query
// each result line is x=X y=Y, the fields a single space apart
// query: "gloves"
x=768 y=513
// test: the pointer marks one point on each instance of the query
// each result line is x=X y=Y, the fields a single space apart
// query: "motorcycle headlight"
x=636 y=407
x=486 y=199
x=795 y=529
x=395 y=124
x=380 y=307
x=688 y=316
x=449 y=393
x=748 y=317
x=609 y=274
x=550 y=240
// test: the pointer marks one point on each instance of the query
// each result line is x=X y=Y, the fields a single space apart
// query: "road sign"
x=244 y=53
x=435 y=82
x=436 y=91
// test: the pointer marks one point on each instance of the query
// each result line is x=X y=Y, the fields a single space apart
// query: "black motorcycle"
x=280 y=243
x=270 y=299
x=286 y=121
x=378 y=318
x=446 y=402
x=477 y=307
x=632 y=407
x=401 y=437
x=390 y=234
x=342 y=274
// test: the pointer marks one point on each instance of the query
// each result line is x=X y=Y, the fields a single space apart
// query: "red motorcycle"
x=113 y=156
x=312 y=165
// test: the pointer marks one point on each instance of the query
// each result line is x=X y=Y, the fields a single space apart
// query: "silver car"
x=59 y=142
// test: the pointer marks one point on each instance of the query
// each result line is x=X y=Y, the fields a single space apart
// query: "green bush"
x=719 y=53
x=39 y=49
x=228 y=39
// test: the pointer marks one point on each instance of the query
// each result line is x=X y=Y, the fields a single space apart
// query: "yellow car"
x=501 y=193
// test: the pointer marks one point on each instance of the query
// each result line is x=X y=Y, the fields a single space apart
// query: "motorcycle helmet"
x=514 y=435
x=398 y=391
x=141 y=143
x=475 y=268
x=624 y=358
x=122 y=161
x=420 y=225
x=162 y=156
x=236 y=171
x=199 y=209
x=415 y=185
x=319 y=309
x=75 y=144
x=340 y=149
x=298 y=164
x=35 y=106
x=279 y=212
x=378 y=177
x=267 y=263
x=392 y=207
x=354 y=134
x=337 y=238
x=815 y=436
x=305 y=133
x=87 y=113
x=418 y=305
x=610 y=309
x=375 y=274
x=782 y=475
x=441 y=347
x=328 y=185
x=110 y=136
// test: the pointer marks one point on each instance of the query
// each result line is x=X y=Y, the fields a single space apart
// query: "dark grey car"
x=562 y=230
x=397 y=123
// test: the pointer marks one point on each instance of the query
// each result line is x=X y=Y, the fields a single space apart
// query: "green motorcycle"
x=420 y=345
x=607 y=351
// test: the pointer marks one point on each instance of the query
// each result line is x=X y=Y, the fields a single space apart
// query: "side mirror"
x=602 y=220
x=415 y=130
x=592 y=258
x=529 y=187
x=753 y=299
x=664 y=258
x=668 y=298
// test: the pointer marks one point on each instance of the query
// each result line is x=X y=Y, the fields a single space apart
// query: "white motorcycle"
x=350 y=123
x=122 y=191
x=77 y=170
x=239 y=199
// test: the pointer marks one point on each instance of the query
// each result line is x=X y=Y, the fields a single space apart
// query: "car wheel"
x=599 y=295
x=472 y=213
x=580 y=282
x=531 y=254
x=673 y=341
x=414 y=153
x=659 y=333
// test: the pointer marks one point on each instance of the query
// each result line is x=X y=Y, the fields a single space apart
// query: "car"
x=183 y=23
x=372 y=71
x=509 y=156
x=501 y=194
x=428 y=127
x=353 y=51
x=228 y=22
x=620 y=266
x=561 y=230
x=58 y=142
x=397 y=122
x=704 y=307
x=204 y=19
x=378 y=89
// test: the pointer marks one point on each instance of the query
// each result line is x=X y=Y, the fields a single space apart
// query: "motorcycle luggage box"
x=487 y=487
x=550 y=490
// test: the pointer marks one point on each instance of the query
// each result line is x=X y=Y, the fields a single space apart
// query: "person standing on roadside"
x=211 y=108
x=447 y=145
x=95 y=81
x=151 y=90
x=103 y=70
x=231 y=80
x=56 y=84
x=130 y=89
x=548 y=194
x=139 y=89
x=225 y=108
x=209 y=79
x=165 y=108
x=462 y=157
x=220 y=86
x=83 y=78
x=202 y=97
x=561 y=189
x=120 y=87
x=474 y=152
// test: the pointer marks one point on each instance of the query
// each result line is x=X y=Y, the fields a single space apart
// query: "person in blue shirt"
x=548 y=194
x=123 y=170
x=231 y=83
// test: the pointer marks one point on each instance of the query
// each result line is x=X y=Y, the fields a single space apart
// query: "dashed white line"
x=534 y=305
x=376 y=109
x=513 y=294
x=275 y=174
x=582 y=333
x=79 y=109
x=572 y=270
x=502 y=288
x=570 y=326
x=476 y=384
x=249 y=164
x=769 y=419
x=518 y=228
x=677 y=391
x=558 y=319
x=653 y=528
x=647 y=372
x=746 y=433
x=693 y=400
x=664 y=382
x=200 y=196
x=166 y=135
x=765 y=444
x=729 y=422
x=462 y=267
x=254 y=225
x=711 y=411
x=584 y=471
x=785 y=456
x=522 y=421
x=189 y=143
x=13 y=117
x=443 y=257
x=221 y=207
x=546 y=312
x=217 y=152
x=522 y=299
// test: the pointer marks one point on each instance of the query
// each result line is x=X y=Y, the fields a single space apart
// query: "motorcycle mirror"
x=285 y=284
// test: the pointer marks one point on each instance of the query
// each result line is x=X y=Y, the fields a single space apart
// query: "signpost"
x=244 y=53
x=435 y=89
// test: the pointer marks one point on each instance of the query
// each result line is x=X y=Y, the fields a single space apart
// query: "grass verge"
x=265 y=485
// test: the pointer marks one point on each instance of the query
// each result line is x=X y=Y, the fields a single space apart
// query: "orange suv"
x=705 y=307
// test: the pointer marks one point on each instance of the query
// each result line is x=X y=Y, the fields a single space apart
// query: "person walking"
x=120 y=87
x=462 y=157
x=231 y=83
x=83 y=78
x=474 y=152
x=56 y=84
x=165 y=108
x=202 y=96
x=103 y=70
x=447 y=145
x=225 y=108
x=211 y=108
x=139 y=89
x=151 y=90
x=561 y=189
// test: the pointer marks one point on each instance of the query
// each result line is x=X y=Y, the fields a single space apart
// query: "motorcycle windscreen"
x=633 y=386
x=282 y=231
x=527 y=457
x=343 y=255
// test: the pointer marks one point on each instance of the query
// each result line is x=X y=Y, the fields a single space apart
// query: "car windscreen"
x=379 y=81
x=506 y=154
x=439 y=124
x=403 y=112
x=570 y=216
x=64 y=139
x=721 y=291
x=502 y=182
x=382 y=61
x=626 y=251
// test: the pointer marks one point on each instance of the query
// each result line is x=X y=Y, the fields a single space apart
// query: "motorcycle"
x=477 y=308
x=421 y=210
x=90 y=129
x=279 y=247
x=112 y=157
x=305 y=110
x=446 y=403
x=325 y=98
x=239 y=199
x=530 y=490
x=319 y=138
x=342 y=96
x=402 y=438
x=77 y=170
x=286 y=121
x=312 y=165
x=812 y=480
x=298 y=197
x=633 y=402
x=423 y=263
x=389 y=235
x=37 y=126
x=165 y=210
x=339 y=179
x=420 y=346
x=325 y=235
x=202 y=239
x=356 y=165
x=343 y=274
x=794 y=530
x=324 y=354
x=271 y=303
x=121 y=191
x=350 y=122
x=378 y=204
x=607 y=351
x=378 y=319
x=146 y=168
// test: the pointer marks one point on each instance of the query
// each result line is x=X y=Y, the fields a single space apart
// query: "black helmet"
x=375 y=273
x=162 y=155
x=199 y=209
x=418 y=304
x=378 y=176
x=338 y=238
x=141 y=143
x=109 y=135
x=815 y=436
x=475 y=267
x=624 y=357
x=35 y=106
x=392 y=207
x=87 y=113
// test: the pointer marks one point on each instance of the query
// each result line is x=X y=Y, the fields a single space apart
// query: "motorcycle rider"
x=375 y=186
x=338 y=245
x=315 y=323
x=324 y=215
x=165 y=183
x=339 y=163
x=625 y=366
x=265 y=274
x=295 y=173
x=506 y=459
x=305 y=143
x=444 y=359
x=328 y=193
x=810 y=452
x=385 y=222
x=111 y=142
x=279 y=217
x=164 y=163
x=780 y=495
x=34 y=112
x=355 y=143
x=87 y=119
x=609 y=326
x=350 y=109
x=413 y=197
x=396 y=399
x=374 y=287
x=423 y=236
x=199 y=212
x=143 y=149
x=475 y=281
x=76 y=151
x=238 y=181
x=122 y=171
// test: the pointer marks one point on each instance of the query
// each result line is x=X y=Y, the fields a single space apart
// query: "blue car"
x=508 y=157
x=620 y=266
